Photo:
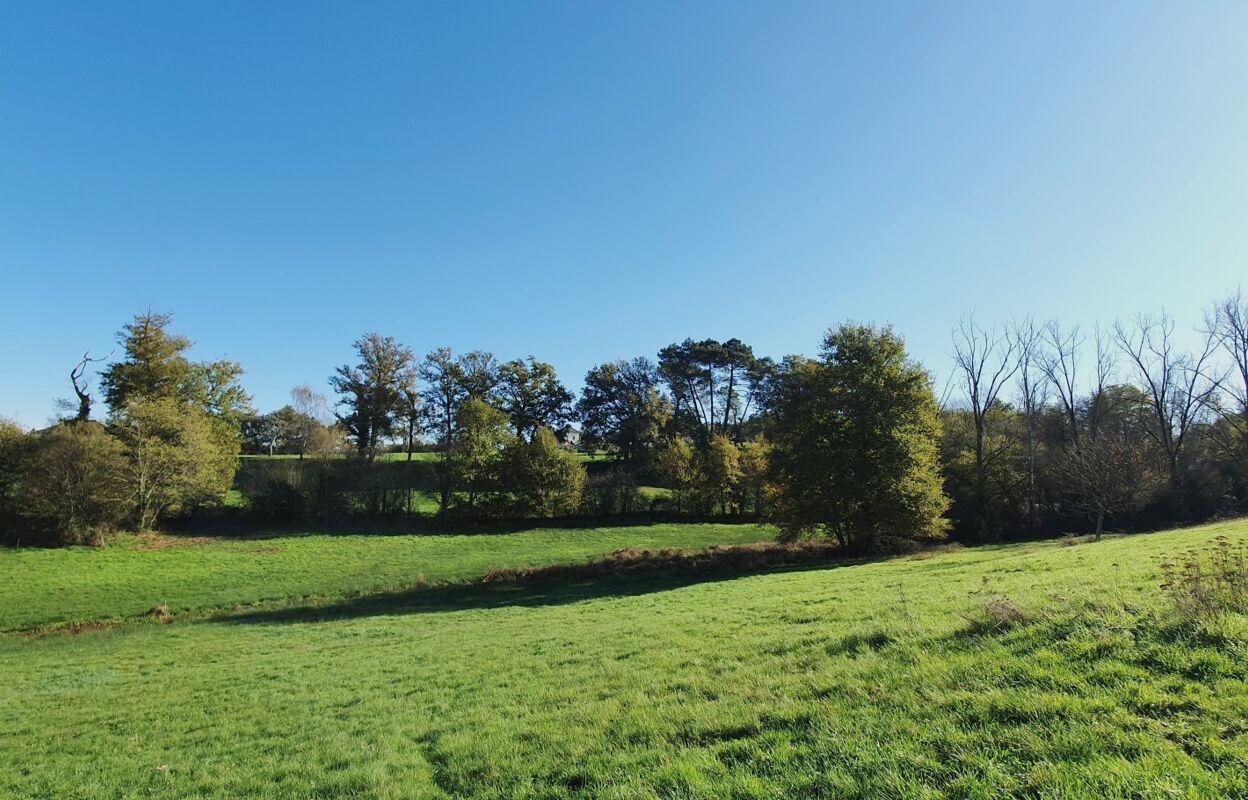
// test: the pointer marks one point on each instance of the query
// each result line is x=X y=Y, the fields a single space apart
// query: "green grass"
x=871 y=681
x=134 y=573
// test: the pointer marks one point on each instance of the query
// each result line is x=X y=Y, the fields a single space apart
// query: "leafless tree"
x=1060 y=363
x=986 y=361
x=1104 y=353
x=82 y=410
x=1227 y=322
x=1032 y=395
x=1176 y=383
x=1105 y=476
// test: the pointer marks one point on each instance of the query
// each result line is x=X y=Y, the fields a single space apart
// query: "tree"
x=544 y=479
x=481 y=437
x=179 y=458
x=81 y=407
x=714 y=385
x=855 y=448
x=532 y=396
x=371 y=391
x=1059 y=362
x=444 y=390
x=411 y=415
x=478 y=374
x=1032 y=397
x=1176 y=384
x=1105 y=476
x=986 y=361
x=1228 y=324
x=755 y=486
x=261 y=434
x=621 y=408
x=215 y=387
x=154 y=366
x=720 y=472
x=312 y=411
x=675 y=466
x=178 y=421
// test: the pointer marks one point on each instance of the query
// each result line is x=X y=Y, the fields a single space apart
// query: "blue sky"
x=589 y=181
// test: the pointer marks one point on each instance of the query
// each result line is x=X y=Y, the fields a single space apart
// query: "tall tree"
x=1175 y=382
x=856 y=435
x=154 y=365
x=621 y=407
x=986 y=360
x=215 y=387
x=1032 y=398
x=371 y=391
x=532 y=396
x=713 y=384
x=313 y=414
x=1228 y=323
x=481 y=437
x=444 y=391
x=1060 y=362
x=479 y=375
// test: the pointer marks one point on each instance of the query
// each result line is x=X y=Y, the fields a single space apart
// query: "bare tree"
x=1060 y=363
x=1099 y=407
x=1227 y=322
x=1106 y=476
x=986 y=361
x=82 y=409
x=1033 y=396
x=1176 y=383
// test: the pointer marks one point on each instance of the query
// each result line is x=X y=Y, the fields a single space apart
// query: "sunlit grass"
x=134 y=573
x=880 y=680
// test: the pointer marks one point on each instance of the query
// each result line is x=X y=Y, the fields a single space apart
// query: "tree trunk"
x=1100 y=523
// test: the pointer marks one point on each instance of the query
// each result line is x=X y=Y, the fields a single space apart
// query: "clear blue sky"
x=588 y=181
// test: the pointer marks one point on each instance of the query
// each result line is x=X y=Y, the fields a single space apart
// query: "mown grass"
x=133 y=574
x=881 y=680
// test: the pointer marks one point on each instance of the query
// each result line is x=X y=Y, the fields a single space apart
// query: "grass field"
x=879 y=680
x=135 y=573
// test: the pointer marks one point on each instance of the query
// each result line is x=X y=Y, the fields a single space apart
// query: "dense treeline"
x=1044 y=429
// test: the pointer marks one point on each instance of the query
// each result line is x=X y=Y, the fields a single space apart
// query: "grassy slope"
x=50 y=587
x=862 y=681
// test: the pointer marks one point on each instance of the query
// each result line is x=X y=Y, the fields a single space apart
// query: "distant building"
x=569 y=436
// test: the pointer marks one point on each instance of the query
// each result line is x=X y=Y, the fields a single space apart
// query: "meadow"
x=896 y=678
x=135 y=573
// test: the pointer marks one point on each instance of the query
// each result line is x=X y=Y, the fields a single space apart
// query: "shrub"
x=14 y=453
x=74 y=484
x=614 y=492
x=547 y=480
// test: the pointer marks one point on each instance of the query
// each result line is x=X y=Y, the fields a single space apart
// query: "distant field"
x=135 y=573
x=884 y=680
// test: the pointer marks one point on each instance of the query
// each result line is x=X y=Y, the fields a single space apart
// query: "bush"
x=74 y=483
x=547 y=481
x=14 y=455
x=614 y=492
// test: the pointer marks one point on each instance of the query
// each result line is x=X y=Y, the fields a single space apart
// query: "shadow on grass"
x=625 y=574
